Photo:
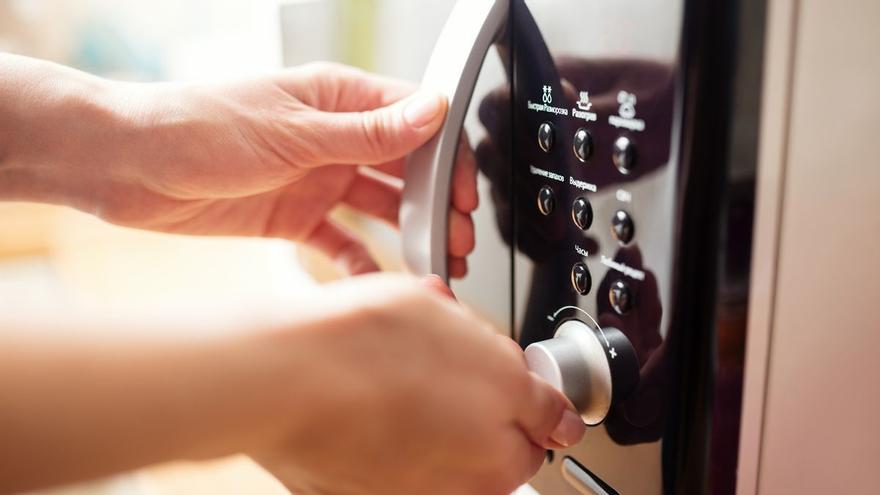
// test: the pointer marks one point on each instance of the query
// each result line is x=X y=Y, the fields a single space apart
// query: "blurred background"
x=57 y=262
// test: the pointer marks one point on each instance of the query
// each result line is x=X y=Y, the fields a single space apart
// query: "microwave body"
x=616 y=145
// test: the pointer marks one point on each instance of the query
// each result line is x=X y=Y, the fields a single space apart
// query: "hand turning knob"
x=594 y=368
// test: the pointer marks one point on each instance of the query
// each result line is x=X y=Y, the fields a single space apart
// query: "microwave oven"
x=636 y=189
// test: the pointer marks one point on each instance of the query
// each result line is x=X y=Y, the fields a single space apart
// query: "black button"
x=583 y=144
x=622 y=227
x=582 y=213
x=621 y=297
x=546 y=201
x=624 y=155
x=546 y=136
x=581 y=279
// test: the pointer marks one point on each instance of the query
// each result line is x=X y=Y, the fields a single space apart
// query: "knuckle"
x=377 y=129
x=398 y=291
x=320 y=67
x=302 y=141
x=512 y=357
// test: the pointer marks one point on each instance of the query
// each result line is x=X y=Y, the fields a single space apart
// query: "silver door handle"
x=452 y=71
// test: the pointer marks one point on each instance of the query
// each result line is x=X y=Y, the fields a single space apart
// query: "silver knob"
x=593 y=368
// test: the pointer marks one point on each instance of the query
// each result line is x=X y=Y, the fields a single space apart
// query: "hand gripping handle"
x=452 y=71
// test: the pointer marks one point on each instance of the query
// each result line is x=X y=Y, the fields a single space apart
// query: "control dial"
x=594 y=368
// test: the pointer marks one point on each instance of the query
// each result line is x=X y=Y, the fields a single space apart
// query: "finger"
x=397 y=168
x=335 y=87
x=528 y=459
x=457 y=267
x=464 y=195
x=436 y=284
x=462 y=239
x=372 y=137
x=512 y=346
x=547 y=417
x=519 y=459
x=394 y=168
x=464 y=178
x=376 y=196
x=346 y=250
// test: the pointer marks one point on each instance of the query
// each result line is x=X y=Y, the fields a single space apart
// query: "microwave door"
x=472 y=64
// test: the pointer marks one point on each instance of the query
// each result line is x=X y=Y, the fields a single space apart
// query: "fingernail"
x=570 y=429
x=422 y=109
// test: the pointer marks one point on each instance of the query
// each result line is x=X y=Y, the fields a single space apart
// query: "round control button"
x=581 y=279
x=624 y=155
x=621 y=297
x=622 y=227
x=594 y=368
x=583 y=144
x=546 y=201
x=582 y=213
x=546 y=137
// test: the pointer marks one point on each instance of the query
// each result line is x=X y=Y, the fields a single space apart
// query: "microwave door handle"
x=472 y=28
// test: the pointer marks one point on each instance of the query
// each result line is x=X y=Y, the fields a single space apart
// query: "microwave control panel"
x=594 y=156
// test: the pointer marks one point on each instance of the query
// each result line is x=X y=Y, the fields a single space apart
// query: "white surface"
x=526 y=490
x=309 y=31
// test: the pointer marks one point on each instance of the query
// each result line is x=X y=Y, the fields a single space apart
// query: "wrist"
x=241 y=394
x=314 y=379
x=263 y=390
x=56 y=125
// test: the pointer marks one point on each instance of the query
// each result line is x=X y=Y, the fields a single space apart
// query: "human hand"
x=411 y=393
x=381 y=384
x=268 y=157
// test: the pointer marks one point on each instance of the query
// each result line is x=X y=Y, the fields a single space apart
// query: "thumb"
x=376 y=136
x=548 y=418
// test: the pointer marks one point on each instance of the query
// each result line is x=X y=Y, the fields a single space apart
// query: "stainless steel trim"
x=580 y=479
x=775 y=116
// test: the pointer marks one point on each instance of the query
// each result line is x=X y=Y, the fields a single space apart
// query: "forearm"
x=75 y=411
